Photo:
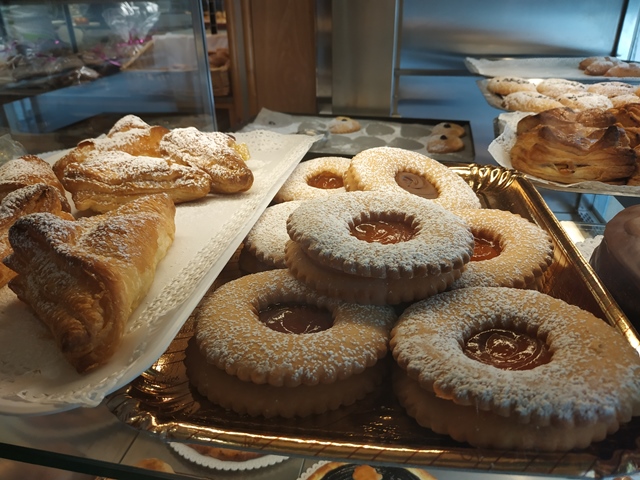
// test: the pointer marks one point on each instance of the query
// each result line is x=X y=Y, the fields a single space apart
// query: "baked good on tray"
x=136 y=159
x=509 y=251
x=266 y=344
x=556 y=146
x=83 y=278
x=38 y=197
x=377 y=247
x=404 y=172
x=317 y=177
x=616 y=261
x=513 y=369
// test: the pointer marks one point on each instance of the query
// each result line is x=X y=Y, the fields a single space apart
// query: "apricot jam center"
x=382 y=231
x=325 y=180
x=296 y=318
x=484 y=249
x=507 y=349
x=416 y=184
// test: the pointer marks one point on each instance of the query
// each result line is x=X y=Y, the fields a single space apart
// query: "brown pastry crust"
x=503 y=85
x=265 y=400
x=344 y=124
x=377 y=169
x=38 y=197
x=529 y=102
x=611 y=89
x=298 y=187
x=231 y=337
x=487 y=430
x=104 y=173
x=84 y=278
x=265 y=243
x=444 y=143
x=449 y=129
x=29 y=170
x=591 y=377
x=526 y=250
x=326 y=255
x=624 y=69
x=571 y=154
x=215 y=153
x=553 y=87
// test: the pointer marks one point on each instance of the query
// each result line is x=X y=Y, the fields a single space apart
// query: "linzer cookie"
x=265 y=243
x=318 y=177
x=510 y=251
x=268 y=345
x=514 y=369
x=376 y=247
x=403 y=172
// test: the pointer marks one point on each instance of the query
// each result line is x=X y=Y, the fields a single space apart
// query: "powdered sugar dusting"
x=268 y=237
x=526 y=250
x=297 y=187
x=593 y=375
x=322 y=227
x=232 y=338
x=376 y=169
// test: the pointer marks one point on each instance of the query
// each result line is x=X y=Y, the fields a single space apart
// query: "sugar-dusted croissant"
x=38 y=197
x=28 y=170
x=84 y=278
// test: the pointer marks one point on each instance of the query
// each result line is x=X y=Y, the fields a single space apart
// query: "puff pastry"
x=28 y=170
x=38 y=197
x=216 y=153
x=84 y=278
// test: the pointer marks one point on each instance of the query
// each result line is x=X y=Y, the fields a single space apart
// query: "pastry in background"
x=352 y=471
x=552 y=87
x=83 y=279
x=529 y=101
x=503 y=85
x=344 y=124
x=317 y=177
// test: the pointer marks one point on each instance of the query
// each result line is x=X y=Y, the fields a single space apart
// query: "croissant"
x=38 y=197
x=84 y=278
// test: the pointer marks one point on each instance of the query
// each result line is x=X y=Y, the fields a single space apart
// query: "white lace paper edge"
x=209 y=462
x=75 y=390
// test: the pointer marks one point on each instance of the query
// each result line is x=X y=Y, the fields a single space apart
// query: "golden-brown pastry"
x=344 y=125
x=317 y=177
x=27 y=170
x=353 y=471
x=38 y=197
x=444 y=143
x=573 y=154
x=216 y=153
x=584 y=100
x=552 y=87
x=502 y=85
x=105 y=180
x=84 y=278
x=529 y=101
x=224 y=454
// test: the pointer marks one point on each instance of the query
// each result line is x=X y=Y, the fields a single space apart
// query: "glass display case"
x=69 y=70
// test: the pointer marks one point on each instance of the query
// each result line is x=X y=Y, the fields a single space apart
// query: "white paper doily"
x=193 y=456
x=500 y=150
x=35 y=378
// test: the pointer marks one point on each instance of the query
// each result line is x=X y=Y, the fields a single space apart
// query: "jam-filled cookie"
x=376 y=247
x=517 y=356
x=264 y=245
x=266 y=344
x=509 y=251
x=404 y=172
x=317 y=177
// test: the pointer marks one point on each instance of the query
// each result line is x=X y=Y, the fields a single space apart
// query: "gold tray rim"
x=131 y=408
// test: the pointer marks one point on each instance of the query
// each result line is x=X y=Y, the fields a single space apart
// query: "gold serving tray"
x=376 y=429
